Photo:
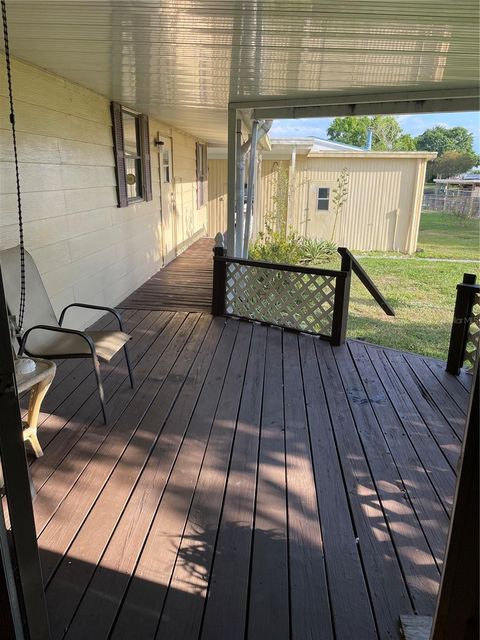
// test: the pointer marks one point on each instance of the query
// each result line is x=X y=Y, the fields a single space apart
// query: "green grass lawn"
x=422 y=292
x=423 y=296
x=443 y=235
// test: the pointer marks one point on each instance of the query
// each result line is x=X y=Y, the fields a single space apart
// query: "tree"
x=388 y=135
x=349 y=130
x=405 y=142
x=449 y=164
x=442 y=139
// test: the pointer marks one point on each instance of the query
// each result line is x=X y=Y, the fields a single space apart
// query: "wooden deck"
x=255 y=484
x=185 y=284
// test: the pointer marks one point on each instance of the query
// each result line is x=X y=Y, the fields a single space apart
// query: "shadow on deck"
x=255 y=484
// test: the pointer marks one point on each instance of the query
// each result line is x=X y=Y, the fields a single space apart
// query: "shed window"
x=201 y=174
x=323 y=198
x=132 y=155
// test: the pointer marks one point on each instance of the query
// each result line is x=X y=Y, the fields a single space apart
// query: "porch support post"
x=219 y=277
x=457 y=605
x=250 y=189
x=18 y=491
x=460 y=324
x=341 y=301
x=239 y=192
x=232 y=118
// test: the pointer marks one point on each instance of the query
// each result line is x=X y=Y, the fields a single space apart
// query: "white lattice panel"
x=286 y=298
x=473 y=340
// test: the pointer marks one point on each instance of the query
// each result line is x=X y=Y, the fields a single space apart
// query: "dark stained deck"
x=185 y=284
x=255 y=484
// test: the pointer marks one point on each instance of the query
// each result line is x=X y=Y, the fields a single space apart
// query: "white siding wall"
x=87 y=249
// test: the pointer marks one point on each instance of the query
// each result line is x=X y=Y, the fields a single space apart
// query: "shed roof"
x=282 y=148
x=183 y=61
x=425 y=155
x=313 y=142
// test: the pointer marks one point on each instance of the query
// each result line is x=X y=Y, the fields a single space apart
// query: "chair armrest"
x=92 y=306
x=47 y=327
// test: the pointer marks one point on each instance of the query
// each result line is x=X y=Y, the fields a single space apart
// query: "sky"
x=413 y=124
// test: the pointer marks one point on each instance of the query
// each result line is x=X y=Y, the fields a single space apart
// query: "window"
x=201 y=174
x=323 y=197
x=166 y=165
x=132 y=155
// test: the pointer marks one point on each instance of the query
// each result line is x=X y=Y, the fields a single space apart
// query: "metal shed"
x=382 y=211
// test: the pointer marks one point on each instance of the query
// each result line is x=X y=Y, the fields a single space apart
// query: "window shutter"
x=147 y=165
x=119 y=152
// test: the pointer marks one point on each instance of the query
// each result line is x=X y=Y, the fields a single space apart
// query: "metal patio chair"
x=44 y=336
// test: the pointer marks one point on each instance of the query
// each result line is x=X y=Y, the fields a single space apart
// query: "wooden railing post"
x=460 y=324
x=219 y=277
x=342 y=299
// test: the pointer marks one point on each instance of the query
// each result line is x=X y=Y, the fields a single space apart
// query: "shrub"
x=291 y=249
x=277 y=247
x=316 y=251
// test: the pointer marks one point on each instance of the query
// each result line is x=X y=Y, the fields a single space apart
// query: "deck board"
x=375 y=545
x=255 y=484
x=185 y=284
x=184 y=605
x=226 y=602
x=346 y=580
x=146 y=593
x=114 y=532
x=414 y=514
x=309 y=599
x=450 y=383
x=269 y=563
x=443 y=432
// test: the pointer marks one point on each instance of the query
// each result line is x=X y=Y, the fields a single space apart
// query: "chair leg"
x=129 y=366
x=96 y=368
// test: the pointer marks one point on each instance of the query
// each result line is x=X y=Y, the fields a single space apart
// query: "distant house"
x=458 y=194
x=383 y=209
x=468 y=182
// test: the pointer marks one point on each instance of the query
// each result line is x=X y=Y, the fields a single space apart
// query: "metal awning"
x=184 y=61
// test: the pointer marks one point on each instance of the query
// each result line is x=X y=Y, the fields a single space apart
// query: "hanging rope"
x=21 y=311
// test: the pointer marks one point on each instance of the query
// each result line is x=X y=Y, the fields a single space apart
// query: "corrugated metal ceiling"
x=182 y=61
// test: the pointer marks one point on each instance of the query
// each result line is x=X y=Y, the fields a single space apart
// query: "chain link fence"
x=460 y=203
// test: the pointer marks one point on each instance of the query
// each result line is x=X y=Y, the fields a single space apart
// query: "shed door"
x=320 y=211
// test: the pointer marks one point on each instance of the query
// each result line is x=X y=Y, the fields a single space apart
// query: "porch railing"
x=465 y=333
x=301 y=298
x=304 y=299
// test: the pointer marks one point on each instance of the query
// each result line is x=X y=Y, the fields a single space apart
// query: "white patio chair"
x=44 y=336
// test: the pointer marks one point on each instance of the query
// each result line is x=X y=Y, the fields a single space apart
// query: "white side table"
x=38 y=382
